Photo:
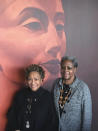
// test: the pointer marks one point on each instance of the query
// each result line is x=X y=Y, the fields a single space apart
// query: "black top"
x=32 y=111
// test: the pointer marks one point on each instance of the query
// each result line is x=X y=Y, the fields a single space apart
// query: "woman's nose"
x=32 y=81
x=53 y=43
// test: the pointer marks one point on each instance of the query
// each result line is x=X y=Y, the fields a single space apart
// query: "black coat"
x=32 y=111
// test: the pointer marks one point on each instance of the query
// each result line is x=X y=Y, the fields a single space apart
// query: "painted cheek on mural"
x=21 y=50
x=20 y=45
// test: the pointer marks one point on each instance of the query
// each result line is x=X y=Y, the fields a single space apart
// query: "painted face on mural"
x=31 y=31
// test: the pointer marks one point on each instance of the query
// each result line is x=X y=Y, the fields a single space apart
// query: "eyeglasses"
x=67 y=67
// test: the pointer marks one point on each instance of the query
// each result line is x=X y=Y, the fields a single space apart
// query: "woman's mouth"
x=52 y=66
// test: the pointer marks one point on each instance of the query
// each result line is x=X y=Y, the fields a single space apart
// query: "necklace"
x=64 y=95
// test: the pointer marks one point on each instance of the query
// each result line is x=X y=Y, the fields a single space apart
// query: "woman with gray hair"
x=72 y=98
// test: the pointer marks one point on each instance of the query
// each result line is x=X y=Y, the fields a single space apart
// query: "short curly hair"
x=34 y=67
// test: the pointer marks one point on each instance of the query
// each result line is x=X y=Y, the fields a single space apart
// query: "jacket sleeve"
x=86 y=110
x=12 y=117
x=52 y=116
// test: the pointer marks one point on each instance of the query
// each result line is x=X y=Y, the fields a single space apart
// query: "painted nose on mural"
x=53 y=43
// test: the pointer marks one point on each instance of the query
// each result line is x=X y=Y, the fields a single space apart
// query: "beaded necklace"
x=65 y=92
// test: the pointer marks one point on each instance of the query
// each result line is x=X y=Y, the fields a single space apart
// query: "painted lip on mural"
x=52 y=66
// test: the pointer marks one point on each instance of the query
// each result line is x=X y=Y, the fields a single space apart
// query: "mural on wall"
x=31 y=31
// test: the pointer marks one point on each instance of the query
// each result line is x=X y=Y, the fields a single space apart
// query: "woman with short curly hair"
x=32 y=108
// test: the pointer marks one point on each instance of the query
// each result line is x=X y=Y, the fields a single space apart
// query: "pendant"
x=27 y=124
x=61 y=106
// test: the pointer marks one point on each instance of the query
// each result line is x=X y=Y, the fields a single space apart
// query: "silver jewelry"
x=27 y=124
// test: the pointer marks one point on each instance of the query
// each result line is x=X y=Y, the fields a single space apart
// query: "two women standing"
x=33 y=108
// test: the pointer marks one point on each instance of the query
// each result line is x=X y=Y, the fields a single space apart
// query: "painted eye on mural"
x=34 y=26
x=60 y=27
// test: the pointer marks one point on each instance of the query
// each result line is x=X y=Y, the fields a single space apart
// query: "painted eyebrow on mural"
x=30 y=12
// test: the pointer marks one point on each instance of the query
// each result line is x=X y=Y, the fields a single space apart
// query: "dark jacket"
x=32 y=111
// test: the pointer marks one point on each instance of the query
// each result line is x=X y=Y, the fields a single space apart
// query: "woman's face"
x=31 y=31
x=34 y=80
x=68 y=71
